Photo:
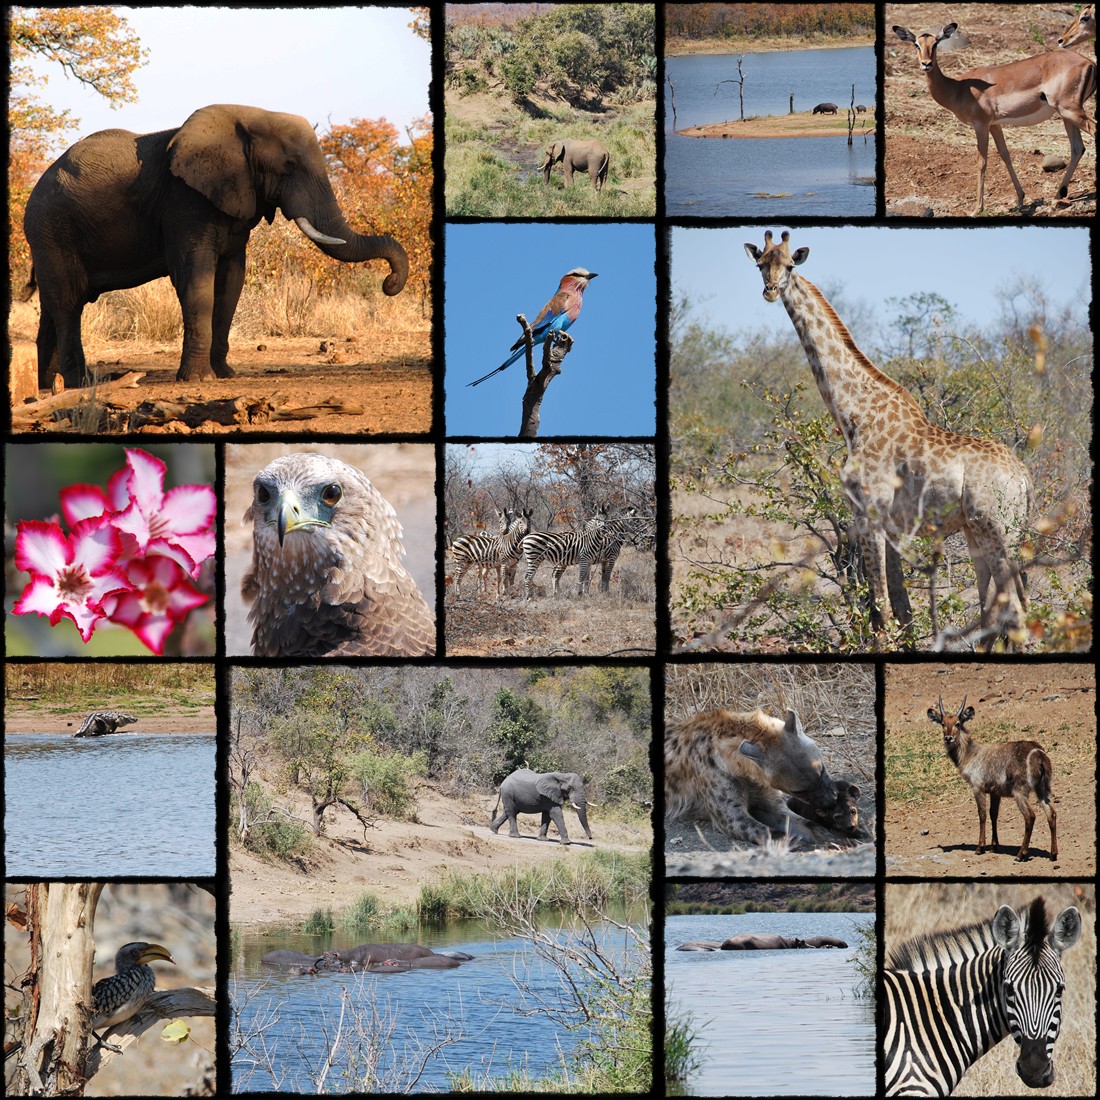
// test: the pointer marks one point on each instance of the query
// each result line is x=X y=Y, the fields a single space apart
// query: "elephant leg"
x=228 y=283
x=195 y=284
x=544 y=828
x=568 y=166
x=48 y=361
x=559 y=820
x=69 y=352
x=496 y=822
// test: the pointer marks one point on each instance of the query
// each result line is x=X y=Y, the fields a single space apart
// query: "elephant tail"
x=27 y=293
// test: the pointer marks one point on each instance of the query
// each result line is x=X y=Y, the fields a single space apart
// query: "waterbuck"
x=1015 y=769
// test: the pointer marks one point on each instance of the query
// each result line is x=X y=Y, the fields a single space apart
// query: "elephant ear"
x=208 y=154
x=549 y=787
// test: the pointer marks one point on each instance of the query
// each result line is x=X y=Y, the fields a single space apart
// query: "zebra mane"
x=1036 y=927
x=939 y=950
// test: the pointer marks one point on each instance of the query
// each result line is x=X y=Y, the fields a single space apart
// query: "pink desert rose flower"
x=161 y=596
x=130 y=558
x=70 y=575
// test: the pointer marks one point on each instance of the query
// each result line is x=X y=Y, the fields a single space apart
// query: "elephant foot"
x=224 y=370
x=566 y=840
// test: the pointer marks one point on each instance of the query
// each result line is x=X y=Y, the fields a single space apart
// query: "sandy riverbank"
x=800 y=124
x=34 y=721
x=681 y=47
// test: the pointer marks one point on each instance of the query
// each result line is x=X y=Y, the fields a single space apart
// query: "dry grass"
x=918 y=909
x=105 y=684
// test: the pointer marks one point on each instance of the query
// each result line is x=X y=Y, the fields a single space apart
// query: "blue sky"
x=607 y=384
x=323 y=63
x=871 y=264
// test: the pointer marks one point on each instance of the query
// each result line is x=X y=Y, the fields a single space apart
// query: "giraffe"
x=904 y=475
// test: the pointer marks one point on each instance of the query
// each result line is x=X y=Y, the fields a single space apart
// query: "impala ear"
x=905 y=34
x=947 y=31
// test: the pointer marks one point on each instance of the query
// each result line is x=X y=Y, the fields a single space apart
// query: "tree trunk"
x=57 y=993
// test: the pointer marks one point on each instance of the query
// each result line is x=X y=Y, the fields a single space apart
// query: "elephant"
x=825 y=109
x=119 y=209
x=528 y=792
x=589 y=156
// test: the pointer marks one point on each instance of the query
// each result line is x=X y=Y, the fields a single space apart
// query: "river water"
x=477 y=1003
x=774 y=1023
x=715 y=177
x=121 y=804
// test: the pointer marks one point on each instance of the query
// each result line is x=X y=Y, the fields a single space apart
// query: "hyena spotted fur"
x=733 y=770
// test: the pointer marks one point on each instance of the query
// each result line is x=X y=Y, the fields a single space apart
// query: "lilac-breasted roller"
x=558 y=314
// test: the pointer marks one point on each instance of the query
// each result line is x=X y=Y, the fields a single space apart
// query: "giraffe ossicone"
x=905 y=476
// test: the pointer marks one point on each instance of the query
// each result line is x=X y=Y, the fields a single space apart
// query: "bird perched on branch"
x=557 y=315
x=122 y=995
x=327 y=576
x=103 y=721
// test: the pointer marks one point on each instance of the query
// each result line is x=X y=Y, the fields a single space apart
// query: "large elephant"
x=119 y=209
x=528 y=792
x=589 y=156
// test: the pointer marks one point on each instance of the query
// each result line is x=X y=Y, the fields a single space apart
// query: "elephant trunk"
x=545 y=169
x=582 y=817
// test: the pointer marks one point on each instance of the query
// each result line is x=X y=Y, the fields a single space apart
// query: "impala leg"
x=1076 y=152
x=1002 y=148
x=982 y=134
x=979 y=800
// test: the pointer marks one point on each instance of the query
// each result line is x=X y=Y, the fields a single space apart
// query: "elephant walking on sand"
x=528 y=792
x=578 y=156
x=119 y=209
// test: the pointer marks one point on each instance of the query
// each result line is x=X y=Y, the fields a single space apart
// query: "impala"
x=1021 y=93
x=1081 y=29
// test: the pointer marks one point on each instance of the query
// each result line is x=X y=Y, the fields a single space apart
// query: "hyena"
x=842 y=816
x=732 y=770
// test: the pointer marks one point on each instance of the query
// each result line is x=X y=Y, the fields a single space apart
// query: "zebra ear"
x=1066 y=931
x=1006 y=929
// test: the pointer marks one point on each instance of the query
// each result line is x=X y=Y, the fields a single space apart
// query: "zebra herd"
x=953 y=996
x=598 y=542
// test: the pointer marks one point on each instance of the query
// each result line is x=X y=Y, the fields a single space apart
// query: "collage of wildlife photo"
x=548 y=549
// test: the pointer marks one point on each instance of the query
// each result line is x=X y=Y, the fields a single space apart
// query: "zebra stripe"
x=639 y=531
x=953 y=996
x=487 y=550
x=562 y=549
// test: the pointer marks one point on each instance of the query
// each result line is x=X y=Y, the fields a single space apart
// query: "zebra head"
x=1033 y=981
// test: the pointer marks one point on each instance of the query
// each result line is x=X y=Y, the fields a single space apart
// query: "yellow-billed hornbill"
x=120 y=996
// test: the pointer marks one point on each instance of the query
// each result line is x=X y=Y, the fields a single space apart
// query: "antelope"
x=1021 y=93
x=1016 y=768
x=1081 y=29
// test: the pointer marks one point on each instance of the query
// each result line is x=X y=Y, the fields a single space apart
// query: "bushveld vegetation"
x=751 y=21
x=577 y=71
x=382 y=180
x=760 y=545
x=138 y=689
x=359 y=739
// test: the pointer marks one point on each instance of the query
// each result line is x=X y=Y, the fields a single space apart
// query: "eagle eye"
x=332 y=495
x=263 y=494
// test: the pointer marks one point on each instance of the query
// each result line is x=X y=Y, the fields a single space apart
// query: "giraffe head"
x=776 y=263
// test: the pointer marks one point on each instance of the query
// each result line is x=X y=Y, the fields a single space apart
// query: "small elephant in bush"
x=528 y=792
x=581 y=156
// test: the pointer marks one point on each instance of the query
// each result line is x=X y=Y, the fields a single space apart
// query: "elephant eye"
x=332 y=495
x=263 y=494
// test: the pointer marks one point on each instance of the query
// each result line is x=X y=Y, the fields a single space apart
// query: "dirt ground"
x=941 y=179
x=18 y=720
x=291 y=387
x=936 y=833
x=398 y=857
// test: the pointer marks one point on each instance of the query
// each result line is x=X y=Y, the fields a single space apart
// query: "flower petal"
x=146 y=482
x=189 y=509
x=82 y=502
x=96 y=545
x=41 y=549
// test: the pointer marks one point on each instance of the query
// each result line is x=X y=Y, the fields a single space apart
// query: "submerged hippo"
x=368 y=955
x=757 y=941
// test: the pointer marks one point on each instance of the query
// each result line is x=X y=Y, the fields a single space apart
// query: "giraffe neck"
x=849 y=383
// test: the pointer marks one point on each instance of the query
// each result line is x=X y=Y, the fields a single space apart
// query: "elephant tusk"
x=315 y=234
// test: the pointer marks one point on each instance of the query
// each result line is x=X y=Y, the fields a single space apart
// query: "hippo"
x=757 y=941
x=825 y=941
x=825 y=109
x=700 y=945
x=860 y=109
x=293 y=961
x=366 y=955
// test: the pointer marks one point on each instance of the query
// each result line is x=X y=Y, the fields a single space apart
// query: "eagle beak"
x=155 y=951
x=294 y=515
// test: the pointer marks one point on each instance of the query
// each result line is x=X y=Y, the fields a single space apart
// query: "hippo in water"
x=757 y=941
x=367 y=955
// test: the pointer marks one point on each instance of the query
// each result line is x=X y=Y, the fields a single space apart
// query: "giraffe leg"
x=872 y=543
x=895 y=586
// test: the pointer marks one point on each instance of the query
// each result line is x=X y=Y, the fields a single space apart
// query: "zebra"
x=629 y=527
x=562 y=549
x=953 y=996
x=103 y=721
x=487 y=550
